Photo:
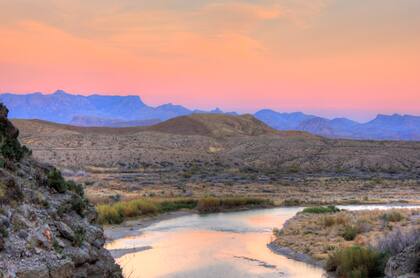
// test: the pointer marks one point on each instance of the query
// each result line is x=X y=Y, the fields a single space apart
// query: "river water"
x=224 y=245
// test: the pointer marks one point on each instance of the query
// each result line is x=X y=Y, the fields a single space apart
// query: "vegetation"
x=356 y=262
x=327 y=209
x=211 y=204
x=55 y=180
x=117 y=212
x=350 y=233
x=393 y=216
x=397 y=240
x=79 y=237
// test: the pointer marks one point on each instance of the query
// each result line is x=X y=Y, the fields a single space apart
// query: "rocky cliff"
x=47 y=227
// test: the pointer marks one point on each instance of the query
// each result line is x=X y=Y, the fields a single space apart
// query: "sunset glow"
x=334 y=58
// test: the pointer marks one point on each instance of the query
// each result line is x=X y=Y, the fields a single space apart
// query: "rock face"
x=47 y=227
x=405 y=264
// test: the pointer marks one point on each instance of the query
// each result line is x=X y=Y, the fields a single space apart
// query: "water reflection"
x=217 y=245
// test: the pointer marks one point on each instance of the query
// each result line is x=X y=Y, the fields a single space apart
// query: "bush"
x=356 y=261
x=79 y=237
x=392 y=216
x=56 y=181
x=350 y=233
x=78 y=204
x=76 y=188
x=327 y=209
x=397 y=240
x=11 y=149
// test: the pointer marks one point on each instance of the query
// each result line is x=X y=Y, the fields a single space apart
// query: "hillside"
x=214 y=141
x=47 y=226
x=214 y=125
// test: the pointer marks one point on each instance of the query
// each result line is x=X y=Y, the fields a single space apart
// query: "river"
x=225 y=245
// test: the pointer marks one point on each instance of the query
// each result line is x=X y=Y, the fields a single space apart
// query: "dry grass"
x=320 y=234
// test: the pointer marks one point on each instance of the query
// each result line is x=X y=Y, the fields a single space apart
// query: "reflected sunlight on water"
x=217 y=245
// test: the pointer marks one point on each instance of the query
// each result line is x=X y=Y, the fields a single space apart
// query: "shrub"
x=3 y=231
x=11 y=149
x=56 y=181
x=392 y=216
x=397 y=240
x=78 y=204
x=76 y=188
x=327 y=209
x=350 y=233
x=79 y=237
x=57 y=247
x=356 y=261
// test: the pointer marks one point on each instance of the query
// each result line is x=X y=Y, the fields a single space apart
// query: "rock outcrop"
x=47 y=227
x=405 y=264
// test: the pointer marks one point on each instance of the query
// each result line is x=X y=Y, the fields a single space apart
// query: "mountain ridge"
x=125 y=111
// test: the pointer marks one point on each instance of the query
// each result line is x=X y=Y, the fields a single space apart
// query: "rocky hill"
x=47 y=227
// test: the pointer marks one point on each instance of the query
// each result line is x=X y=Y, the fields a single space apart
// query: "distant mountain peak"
x=60 y=92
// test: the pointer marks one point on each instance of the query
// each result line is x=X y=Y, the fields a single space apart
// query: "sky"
x=329 y=57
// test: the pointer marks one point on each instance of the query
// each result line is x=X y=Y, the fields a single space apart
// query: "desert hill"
x=214 y=125
x=216 y=144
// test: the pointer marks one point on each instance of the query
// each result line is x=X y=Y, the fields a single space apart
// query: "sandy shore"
x=292 y=254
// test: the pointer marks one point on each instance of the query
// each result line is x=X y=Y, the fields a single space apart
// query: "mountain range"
x=126 y=111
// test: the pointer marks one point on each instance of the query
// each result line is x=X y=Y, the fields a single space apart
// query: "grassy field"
x=117 y=212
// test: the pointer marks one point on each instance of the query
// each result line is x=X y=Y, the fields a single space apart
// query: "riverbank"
x=322 y=238
x=118 y=212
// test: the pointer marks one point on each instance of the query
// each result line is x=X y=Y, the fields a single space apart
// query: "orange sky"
x=334 y=58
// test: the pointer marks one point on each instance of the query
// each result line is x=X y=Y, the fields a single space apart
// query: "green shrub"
x=3 y=231
x=76 y=188
x=57 y=247
x=78 y=204
x=79 y=237
x=350 y=233
x=56 y=181
x=327 y=209
x=355 y=262
x=11 y=149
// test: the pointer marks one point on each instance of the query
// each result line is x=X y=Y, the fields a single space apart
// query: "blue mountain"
x=101 y=110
